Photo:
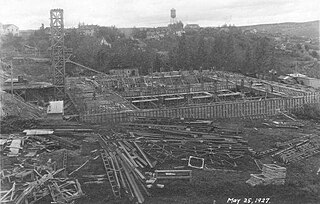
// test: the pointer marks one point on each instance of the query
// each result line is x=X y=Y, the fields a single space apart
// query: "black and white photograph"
x=159 y=102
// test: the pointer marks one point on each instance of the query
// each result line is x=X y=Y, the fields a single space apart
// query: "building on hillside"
x=88 y=30
x=128 y=32
x=302 y=79
x=9 y=29
x=308 y=81
x=125 y=72
x=192 y=27
x=152 y=34
x=157 y=33
x=105 y=42
x=249 y=31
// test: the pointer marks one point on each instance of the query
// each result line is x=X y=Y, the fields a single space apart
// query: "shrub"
x=308 y=111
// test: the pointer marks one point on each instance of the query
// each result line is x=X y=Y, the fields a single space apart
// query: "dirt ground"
x=302 y=183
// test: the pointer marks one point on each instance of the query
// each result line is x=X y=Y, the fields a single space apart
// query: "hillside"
x=305 y=29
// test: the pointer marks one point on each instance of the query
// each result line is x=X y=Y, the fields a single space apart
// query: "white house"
x=104 y=42
x=9 y=28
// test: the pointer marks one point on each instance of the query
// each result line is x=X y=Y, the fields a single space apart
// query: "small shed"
x=55 y=110
x=313 y=82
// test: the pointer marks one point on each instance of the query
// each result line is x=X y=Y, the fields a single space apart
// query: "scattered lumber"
x=297 y=149
x=42 y=183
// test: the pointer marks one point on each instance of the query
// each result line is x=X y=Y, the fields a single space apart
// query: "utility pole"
x=11 y=68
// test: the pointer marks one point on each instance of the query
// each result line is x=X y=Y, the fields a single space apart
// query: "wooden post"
x=11 y=68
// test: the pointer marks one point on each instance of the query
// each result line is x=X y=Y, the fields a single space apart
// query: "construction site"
x=167 y=137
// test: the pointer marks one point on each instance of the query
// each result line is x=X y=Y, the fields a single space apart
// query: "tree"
x=87 y=51
x=314 y=54
x=138 y=33
x=201 y=53
x=263 y=57
x=10 y=41
x=182 y=54
x=109 y=33
x=157 y=64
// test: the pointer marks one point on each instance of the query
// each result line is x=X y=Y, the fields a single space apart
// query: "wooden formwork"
x=159 y=91
x=254 y=108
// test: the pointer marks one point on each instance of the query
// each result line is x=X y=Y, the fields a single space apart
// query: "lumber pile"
x=272 y=174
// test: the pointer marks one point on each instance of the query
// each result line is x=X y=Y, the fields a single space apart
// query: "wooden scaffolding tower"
x=57 y=52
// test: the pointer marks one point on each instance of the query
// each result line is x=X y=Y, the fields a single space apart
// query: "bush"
x=308 y=111
x=314 y=54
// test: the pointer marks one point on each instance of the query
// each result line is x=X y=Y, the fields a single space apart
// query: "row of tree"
x=228 y=49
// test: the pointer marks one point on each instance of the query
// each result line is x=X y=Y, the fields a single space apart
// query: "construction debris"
x=297 y=149
x=176 y=139
x=276 y=124
x=31 y=185
x=125 y=161
x=195 y=160
x=130 y=156
x=293 y=150
x=13 y=106
x=272 y=174
x=13 y=124
x=173 y=174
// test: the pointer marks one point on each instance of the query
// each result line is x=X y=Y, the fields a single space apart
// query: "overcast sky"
x=29 y=14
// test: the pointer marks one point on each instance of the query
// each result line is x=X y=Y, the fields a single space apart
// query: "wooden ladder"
x=64 y=163
x=112 y=176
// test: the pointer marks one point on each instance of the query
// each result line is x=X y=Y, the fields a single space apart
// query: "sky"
x=30 y=14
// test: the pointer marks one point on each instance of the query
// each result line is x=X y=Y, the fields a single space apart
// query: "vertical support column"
x=57 y=52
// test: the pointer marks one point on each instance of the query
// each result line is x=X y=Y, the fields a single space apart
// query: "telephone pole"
x=11 y=69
